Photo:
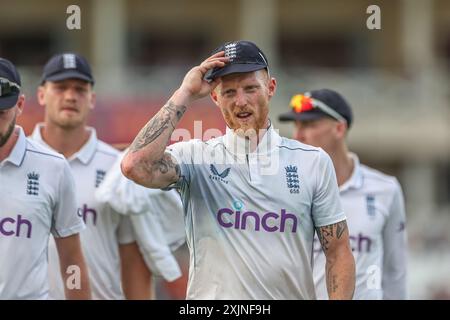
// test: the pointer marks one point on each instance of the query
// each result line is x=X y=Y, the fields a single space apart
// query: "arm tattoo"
x=165 y=164
x=326 y=233
x=158 y=125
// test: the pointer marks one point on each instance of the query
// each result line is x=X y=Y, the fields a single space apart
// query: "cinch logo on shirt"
x=15 y=227
x=85 y=211
x=270 y=221
x=360 y=243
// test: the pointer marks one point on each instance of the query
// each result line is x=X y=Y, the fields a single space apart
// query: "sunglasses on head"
x=304 y=102
x=7 y=87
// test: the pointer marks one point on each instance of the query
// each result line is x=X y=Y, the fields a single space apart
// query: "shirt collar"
x=18 y=152
x=85 y=154
x=356 y=179
x=241 y=146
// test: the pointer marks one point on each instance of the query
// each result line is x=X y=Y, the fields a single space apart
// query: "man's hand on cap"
x=194 y=86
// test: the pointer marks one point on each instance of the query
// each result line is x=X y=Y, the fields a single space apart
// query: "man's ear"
x=20 y=104
x=41 y=95
x=272 y=87
x=214 y=96
x=93 y=100
x=342 y=129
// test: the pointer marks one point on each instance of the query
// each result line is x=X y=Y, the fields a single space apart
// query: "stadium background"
x=396 y=79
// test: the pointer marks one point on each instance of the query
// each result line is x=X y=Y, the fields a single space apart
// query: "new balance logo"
x=219 y=176
x=100 y=175
x=33 y=184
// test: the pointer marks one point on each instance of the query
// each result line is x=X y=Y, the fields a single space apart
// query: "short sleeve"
x=326 y=206
x=125 y=233
x=183 y=152
x=66 y=220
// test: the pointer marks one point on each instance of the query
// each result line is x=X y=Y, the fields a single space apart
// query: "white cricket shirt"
x=106 y=229
x=250 y=216
x=37 y=197
x=374 y=206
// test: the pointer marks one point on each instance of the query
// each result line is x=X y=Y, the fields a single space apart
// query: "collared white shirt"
x=106 y=229
x=250 y=216
x=36 y=198
x=374 y=206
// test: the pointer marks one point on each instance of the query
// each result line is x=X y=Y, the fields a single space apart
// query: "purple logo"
x=85 y=211
x=360 y=243
x=270 y=221
x=15 y=227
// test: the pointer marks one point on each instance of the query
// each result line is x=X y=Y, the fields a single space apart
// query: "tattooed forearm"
x=159 y=124
x=340 y=228
x=340 y=264
x=326 y=233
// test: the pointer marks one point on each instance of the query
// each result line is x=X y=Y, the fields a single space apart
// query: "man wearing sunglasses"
x=36 y=199
x=372 y=201
x=249 y=224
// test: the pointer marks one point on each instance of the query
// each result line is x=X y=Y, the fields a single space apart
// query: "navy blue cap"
x=244 y=56
x=9 y=84
x=331 y=99
x=67 y=66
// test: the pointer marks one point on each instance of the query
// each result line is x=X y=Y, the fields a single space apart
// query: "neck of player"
x=343 y=163
x=65 y=141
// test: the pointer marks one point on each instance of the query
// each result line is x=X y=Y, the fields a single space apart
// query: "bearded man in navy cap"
x=252 y=199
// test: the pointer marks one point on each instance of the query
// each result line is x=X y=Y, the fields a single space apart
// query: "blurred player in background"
x=249 y=231
x=117 y=268
x=37 y=197
x=372 y=201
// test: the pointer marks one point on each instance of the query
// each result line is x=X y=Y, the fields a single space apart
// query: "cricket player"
x=116 y=266
x=372 y=201
x=252 y=199
x=36 y=199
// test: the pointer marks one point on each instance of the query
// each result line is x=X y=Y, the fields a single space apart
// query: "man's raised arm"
x=146 y=162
